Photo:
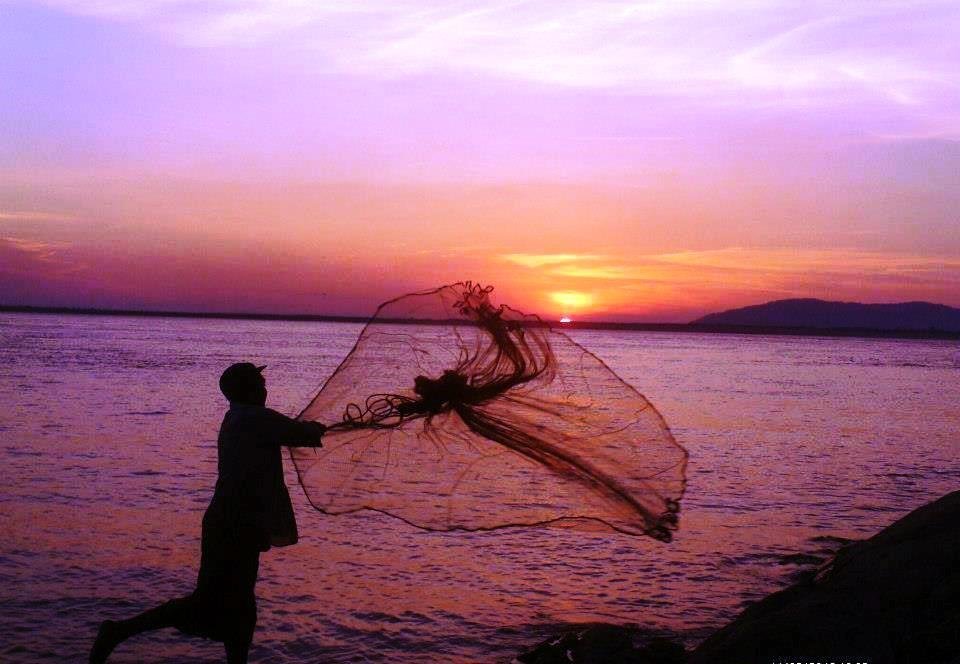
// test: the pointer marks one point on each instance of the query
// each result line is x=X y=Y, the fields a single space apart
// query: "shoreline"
x=683 y=328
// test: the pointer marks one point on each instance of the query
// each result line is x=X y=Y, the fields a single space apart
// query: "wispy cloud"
x=904 y=51
x=29 y=246
x=539 y=260
x=35 y=253
x=13 y=215
x=691 y=266
x=808 y=260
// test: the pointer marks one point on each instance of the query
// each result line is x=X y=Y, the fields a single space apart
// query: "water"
x=107 y=439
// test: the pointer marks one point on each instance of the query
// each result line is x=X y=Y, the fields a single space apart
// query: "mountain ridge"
x=824 y=314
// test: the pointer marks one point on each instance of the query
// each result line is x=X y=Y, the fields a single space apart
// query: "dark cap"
x=237 y=381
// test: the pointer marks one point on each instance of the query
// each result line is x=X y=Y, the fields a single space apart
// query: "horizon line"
x=692 y=327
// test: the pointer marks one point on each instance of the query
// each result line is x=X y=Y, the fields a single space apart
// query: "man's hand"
x=319 y=429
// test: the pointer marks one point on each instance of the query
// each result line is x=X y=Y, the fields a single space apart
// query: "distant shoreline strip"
x=690 y=328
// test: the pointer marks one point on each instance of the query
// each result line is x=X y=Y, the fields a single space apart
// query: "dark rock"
x=605 y=644
x=831 y=540
x=893 y=598
x=660 y=650
x=801 y=559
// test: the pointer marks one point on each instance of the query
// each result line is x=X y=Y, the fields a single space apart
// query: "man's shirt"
x=250 y=491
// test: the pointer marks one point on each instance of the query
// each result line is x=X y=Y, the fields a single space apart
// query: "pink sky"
x=606 y=160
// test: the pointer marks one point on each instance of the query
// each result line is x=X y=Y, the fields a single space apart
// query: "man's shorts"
x=223 y=607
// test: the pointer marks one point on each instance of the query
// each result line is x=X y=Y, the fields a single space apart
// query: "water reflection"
x=108 y=441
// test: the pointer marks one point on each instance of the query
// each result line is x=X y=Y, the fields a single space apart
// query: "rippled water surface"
x=108 y=444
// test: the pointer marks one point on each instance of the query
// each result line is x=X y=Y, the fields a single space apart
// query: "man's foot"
x=107 y=639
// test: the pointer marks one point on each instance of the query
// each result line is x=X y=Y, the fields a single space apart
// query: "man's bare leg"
x=112 y=633
x=237 y=649
x=237 y=642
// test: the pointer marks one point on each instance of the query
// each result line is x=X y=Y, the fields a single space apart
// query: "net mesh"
x=451 y=413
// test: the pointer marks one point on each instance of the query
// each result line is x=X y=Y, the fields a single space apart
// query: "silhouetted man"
x=250 y=512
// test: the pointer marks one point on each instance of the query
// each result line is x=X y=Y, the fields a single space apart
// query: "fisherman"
x=249 y=513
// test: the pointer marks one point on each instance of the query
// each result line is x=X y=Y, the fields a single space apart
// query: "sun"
x=566 y=319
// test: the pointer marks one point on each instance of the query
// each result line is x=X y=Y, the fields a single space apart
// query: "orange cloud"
x=539 y=260
x=572 y=301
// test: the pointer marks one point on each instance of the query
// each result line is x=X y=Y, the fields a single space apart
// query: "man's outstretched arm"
x=294 y=433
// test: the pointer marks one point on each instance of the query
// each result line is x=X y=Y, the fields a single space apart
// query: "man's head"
x=243 y=383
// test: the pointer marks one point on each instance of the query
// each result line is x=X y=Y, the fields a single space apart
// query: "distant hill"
x=825 y=314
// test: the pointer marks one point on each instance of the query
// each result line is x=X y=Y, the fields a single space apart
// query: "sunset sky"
x=615 y=160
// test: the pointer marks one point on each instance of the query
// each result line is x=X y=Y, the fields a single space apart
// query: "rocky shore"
x=891 y=599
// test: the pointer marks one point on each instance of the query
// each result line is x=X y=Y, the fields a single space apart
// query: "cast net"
x=451 y=413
